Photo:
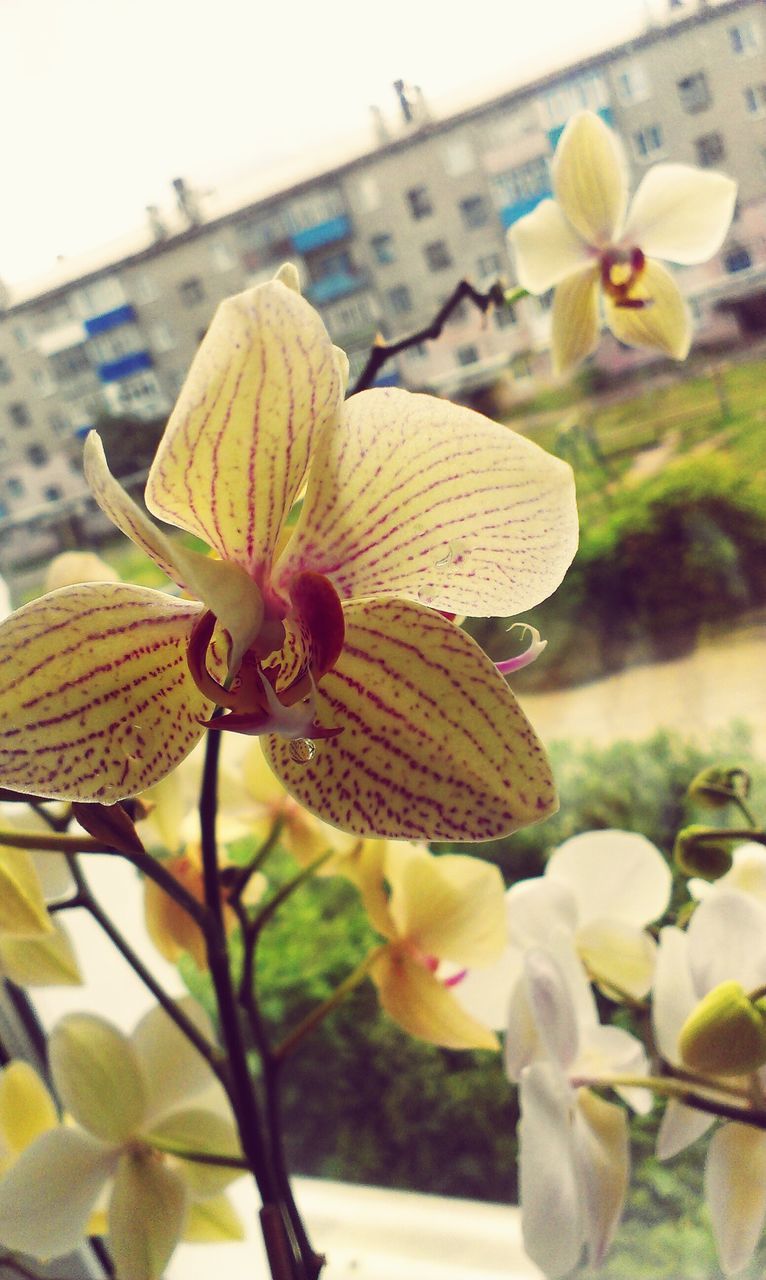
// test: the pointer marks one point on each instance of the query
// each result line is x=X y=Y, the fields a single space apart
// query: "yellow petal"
x=664 y=324
x=22 y=909
x=434 y=745
x=26 y=1106
x=97 y=1075
x=169 y=926
x=681 y=213
x=451 y=907
x=235 y=451
x=575 y=320
x=618 y=953
x=366 y=867
x=590 y=178
x=96 y=700
x=424 y=1007
x=546 y=248
x=71 y=567
x=41 y=962
x=195 y=1129
x=420 y=498
x=227 y=590
x=147 y=1214
x=213 y=1221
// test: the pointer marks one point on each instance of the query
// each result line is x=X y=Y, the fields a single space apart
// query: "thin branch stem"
x=200 y=1157
x=679 y=1092
x=731 y=833
x=245 y=874
x=382 y=352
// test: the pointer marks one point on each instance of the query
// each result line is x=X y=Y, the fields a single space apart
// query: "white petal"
x=618 y=955
x=575 y=322
x=546 y=248
x=47 y=1197
x=674 y=992
x=485 y=993
x=614 y=875
x=679 y=1128
x=552 y=1007
x=735 y=1188
x=590 y=178
x=612 y=1051
x=537 y=908
x=681 y=213
x=551 y=1210
x=747 y=874
x=522 y=1045
x=727 y=941
x=147 y=1213
x=172 y=1068
x=603 y=1158
x=97 y=1076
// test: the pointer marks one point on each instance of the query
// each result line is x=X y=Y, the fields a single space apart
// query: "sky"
x=104 y=102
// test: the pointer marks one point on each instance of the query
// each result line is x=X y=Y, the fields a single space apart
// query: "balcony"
x=334 y=286
x=115 y=370
x=330 y=232
x=511 y=213
x=606 y=113
x=109 y=320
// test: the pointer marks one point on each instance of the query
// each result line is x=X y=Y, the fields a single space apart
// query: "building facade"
x=381 y=240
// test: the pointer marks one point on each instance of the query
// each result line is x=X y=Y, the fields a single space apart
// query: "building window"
x=37 y=455
x=19 y=415
x=738 y=259
x=6 y=373
x=522 y=182
x=744 y=39
x=489 y=265
x=694 y=92
x=504 y=317
x=52 y=493
x=21 y=334
x=59 y=424
x=474 y=211
x=648 y=143
x=467 y=355
x=68 y=364
x=192 y=291
x=438 y=256
x=383 y=248
x=400 y=299
x=710 y=149
x=755 y=99
x=420 y=202
x=632 y=84
x=15 y=487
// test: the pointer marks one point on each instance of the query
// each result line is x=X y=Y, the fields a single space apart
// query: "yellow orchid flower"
x=447 y=909
x=128 y=1098
x=35 y=949
x=585 y=244
x=380 y=715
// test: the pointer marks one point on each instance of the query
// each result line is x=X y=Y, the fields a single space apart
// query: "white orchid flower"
x=5 y=599
x=588 y=244
x=725 y=942
x=573 y=1145
x=125 y=1095
x=747 y=874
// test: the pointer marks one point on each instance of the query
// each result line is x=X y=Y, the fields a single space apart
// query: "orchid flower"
x=724 y=944
x=587 y=245
x=379 y=714
x=35 y=949
x=574 y=1157
x=747 y=874
x=5 y=599
x=433 y=912
x=128 y=1098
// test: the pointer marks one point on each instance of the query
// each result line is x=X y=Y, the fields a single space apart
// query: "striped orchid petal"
x=434 y=745
x=420 y=498
x=96 y=700
x=235 y=451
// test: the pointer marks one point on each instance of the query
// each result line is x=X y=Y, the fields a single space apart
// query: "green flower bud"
x=697 y=853
x=718 y=785
x=725 y=1035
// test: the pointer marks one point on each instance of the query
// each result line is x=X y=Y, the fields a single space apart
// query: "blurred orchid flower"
x=5 y=599
x=124 y=1095
x=746 y=875
x=380 y=715
x=433 y=911
x=725 y=943
x=574 y=1159
x=585 y=244
x=71 y=567
x=35 y=949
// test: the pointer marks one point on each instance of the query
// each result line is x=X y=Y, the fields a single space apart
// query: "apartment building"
x=381 y=239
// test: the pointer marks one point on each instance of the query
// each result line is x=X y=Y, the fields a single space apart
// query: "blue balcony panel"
x=391 y=379
x=606 y=113
x=335 y=286
x=323 y=233
x=109 y=320
x=511 y=213
x=115 y=370
x=82 y=432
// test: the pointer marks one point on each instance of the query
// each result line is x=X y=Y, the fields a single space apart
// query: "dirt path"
x=722 y=681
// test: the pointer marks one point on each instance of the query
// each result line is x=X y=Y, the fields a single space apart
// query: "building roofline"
x=428 y=129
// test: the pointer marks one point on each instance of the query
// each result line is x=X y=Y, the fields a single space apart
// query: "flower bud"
x=718 y=785
x=725 y=1035
x=697 y=853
